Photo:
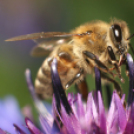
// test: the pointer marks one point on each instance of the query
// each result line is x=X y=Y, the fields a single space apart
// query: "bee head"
x=119 y=36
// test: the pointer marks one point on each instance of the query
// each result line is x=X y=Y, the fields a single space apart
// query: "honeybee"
x=95 y=44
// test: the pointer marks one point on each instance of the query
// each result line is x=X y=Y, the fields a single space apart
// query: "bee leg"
x=83 y=89
x=114 y=62
x=98 y=63
x=116 y=84
x=77 y=76
x=65 y=56
x=127 y=68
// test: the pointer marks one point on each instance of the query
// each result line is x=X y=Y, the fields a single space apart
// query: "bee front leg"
x=97 y=62
x=114 y=62
x=104 y=70
x=116 y=84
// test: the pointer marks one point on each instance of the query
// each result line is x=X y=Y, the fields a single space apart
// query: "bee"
x=94 y=44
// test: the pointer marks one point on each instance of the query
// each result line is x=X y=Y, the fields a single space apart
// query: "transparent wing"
x=51 y=39
x=42 y=35
x=45 y=47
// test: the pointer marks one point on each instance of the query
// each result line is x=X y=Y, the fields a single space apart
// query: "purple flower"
x=10 y=114
x=73 y=116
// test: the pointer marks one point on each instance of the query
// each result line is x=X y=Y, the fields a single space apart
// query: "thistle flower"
x=72 y=116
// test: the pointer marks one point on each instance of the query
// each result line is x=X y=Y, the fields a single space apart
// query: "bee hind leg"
x=117 y=86
x=83 y=89
x=80 y=86
x=77 y=76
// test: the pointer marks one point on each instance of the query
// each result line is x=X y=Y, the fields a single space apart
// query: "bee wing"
x=41 y=35
x=40 y=50
x=45 y=47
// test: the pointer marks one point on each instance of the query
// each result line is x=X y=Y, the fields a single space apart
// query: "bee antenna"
x=131 y=48
x=130 y=37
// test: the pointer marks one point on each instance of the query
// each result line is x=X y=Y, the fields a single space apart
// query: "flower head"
x=73 y=116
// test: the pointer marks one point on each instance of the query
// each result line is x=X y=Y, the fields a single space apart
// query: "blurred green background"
x=18 y=17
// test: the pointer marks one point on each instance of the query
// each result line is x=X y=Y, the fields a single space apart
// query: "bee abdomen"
x=67 y=69
x=43 y=82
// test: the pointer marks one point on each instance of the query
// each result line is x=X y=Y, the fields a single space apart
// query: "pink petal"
x=102 y=118
x=116 y=119
x=46 y=125
x=89 y=110
x=3 y=132
x=121 y=113
x=80 y=107
x=32 y=128
x=18 y=130
x=70 y=121
x=130 y=124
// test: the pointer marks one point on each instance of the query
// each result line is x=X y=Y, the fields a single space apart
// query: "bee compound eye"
x=117 y=32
